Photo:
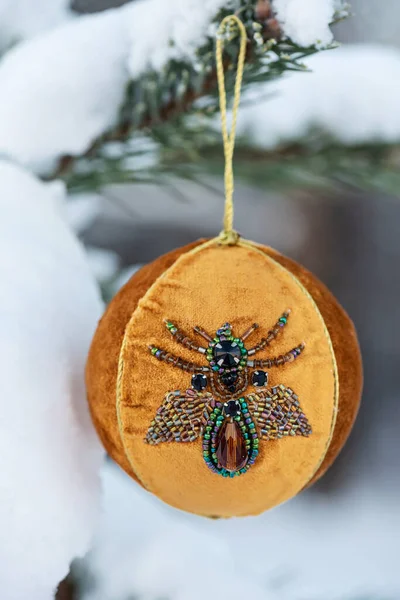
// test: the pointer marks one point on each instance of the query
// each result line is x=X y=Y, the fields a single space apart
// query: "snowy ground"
x=308 y=549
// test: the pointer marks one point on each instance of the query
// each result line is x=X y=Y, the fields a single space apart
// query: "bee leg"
x=272 y=334
x=249 y=331
x=182 y=338
x=176 y=361
x=277 y=361
x=203 y=333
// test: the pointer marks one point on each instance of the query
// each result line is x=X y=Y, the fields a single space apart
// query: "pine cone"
x=264 y=15
x=263 y=10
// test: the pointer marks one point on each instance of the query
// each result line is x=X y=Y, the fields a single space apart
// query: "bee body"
x=230 y=423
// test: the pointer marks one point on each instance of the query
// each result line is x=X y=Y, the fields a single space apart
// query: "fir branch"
x=320 y=164
x=157 y=98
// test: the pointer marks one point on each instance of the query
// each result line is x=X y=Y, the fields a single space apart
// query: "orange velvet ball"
x=208 y=284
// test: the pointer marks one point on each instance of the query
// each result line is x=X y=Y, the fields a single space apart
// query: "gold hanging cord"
x=228 y=235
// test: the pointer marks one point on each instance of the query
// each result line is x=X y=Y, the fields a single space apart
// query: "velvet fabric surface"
x=208 y=285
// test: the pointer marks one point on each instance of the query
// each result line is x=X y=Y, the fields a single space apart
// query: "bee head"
x=227 y=356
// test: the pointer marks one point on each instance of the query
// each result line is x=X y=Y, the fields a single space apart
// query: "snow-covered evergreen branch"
x=100 y=77
x=335 y=122
x=49 y=452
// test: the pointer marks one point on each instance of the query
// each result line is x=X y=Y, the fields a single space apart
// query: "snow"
x=352 y=94
x=82 y=210
x=49 y=452
x=337 y=548
x=20 y=19
x=180 y=28
x=307 y=23
x=63 y=89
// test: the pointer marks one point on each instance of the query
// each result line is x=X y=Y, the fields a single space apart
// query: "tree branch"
x=160 y=97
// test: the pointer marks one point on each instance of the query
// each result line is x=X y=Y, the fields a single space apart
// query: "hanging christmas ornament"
x=224 y=377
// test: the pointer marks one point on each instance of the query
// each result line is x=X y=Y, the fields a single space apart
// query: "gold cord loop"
x=228 y=235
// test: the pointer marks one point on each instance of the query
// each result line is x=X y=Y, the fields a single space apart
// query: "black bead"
x=232 y=408
x=199 y=382
x=227 y=354
x=229 y=379
x=259 y=378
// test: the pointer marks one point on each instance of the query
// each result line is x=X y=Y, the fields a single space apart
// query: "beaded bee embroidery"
x=230 y=423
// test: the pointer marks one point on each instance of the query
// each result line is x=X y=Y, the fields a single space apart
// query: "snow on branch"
x=337 y=121
x=49 y=452
x=63 y=90
x=22 y=19
x=308 y=22
x=349 y=95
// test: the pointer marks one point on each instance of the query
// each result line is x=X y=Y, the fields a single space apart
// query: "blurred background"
x=338 y=540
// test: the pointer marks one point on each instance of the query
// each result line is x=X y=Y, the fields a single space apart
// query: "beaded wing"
x=182 y=417
x=229 y=422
